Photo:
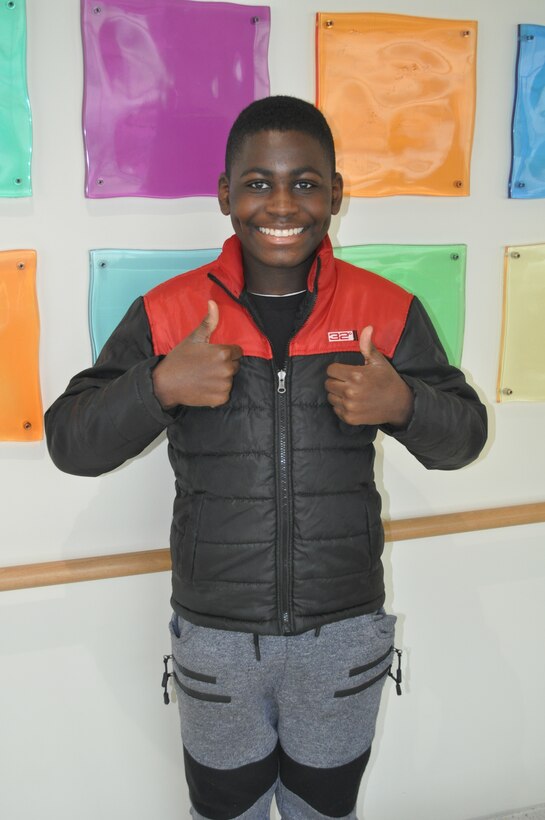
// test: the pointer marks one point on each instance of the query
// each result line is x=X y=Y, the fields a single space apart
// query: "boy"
x=271 y=404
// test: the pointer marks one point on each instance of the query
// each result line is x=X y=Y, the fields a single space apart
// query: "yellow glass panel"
x=399 y=94
x=20 y=400
x=522 y=363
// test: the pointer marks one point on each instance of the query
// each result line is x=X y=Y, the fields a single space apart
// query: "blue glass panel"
x=527 y=179
x=118 y=277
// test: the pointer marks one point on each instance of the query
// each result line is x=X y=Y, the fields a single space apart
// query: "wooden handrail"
x=138 y=563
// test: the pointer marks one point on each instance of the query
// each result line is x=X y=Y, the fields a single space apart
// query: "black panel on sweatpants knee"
x=222 y=794
x=330 y=791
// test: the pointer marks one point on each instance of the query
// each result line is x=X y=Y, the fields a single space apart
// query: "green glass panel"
x=434 y=273
x=15 y=120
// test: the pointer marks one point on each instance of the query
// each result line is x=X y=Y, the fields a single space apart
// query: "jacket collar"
x=228 y=267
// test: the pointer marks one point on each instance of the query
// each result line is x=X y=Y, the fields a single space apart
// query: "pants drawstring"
x=256 y=647
x=317 y=631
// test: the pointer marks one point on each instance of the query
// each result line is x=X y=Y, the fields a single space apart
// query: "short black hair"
x=279 y=113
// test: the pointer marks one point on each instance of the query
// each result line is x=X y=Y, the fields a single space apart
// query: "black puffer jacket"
x=276 y=524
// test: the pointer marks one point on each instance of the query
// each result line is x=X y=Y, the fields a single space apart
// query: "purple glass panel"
x=164 y=80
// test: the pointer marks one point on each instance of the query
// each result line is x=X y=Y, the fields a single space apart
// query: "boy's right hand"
x=195 y=372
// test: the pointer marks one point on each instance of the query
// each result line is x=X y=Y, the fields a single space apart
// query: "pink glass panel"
x=164 y=81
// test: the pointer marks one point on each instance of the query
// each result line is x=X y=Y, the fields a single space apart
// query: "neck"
x=275 y=281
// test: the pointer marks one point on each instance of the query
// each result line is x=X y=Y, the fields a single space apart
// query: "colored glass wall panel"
x=434 y=273
x=527 y=179
x=399 y=94
x=20 y=400
x=118 y=277
x=522 y=363
x=164 y=81
x=15 y=120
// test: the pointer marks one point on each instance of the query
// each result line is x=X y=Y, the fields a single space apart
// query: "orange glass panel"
x=522 y=365
x=399 y=94
x=20 y=400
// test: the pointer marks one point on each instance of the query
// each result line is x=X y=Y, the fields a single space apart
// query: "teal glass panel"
x=434 y=273
x=15 y=119
x=118 y=277
x=527 y=178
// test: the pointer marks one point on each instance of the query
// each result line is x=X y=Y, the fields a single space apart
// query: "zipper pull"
x=397 y=677
x=281 y=381
x=164 y=681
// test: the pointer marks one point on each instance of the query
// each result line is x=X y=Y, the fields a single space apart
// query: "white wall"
x=83 y=731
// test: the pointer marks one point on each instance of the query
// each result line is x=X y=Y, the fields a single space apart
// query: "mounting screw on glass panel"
x=465 y=33
x=255 y=19
x=97 y=10
x=329 y=23
x=458 y=183
x=507 y=391
x=520 y=185
x=20 y=265
x=27 y=425
x=102 y=264
x=515 y=255
x=10 y=4
x=18 y=181
x=455 y=256
x=100 y=181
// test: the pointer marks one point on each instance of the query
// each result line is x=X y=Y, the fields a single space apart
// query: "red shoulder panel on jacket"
x=177 y=307
x=348 y=301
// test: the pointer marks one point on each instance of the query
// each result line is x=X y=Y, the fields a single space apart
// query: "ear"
x=223 y=194
x=336 y=193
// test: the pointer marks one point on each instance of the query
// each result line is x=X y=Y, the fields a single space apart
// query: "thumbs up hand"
x=195 y=372
x=372 y=393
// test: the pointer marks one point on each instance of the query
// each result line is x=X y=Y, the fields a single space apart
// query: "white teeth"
x=280 y=233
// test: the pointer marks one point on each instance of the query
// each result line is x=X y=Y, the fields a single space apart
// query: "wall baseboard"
x=531 y=813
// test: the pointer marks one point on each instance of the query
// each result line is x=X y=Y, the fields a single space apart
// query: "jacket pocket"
x=375 y=532
x=191 y=537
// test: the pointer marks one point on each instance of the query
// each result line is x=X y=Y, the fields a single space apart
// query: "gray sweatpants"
x=291 y=716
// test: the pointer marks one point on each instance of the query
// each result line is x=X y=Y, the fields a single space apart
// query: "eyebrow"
x=266 y=172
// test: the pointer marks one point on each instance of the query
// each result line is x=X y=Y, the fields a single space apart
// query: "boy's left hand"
x=372 y=393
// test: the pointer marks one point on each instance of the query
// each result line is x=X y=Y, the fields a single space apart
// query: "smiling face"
x=280 y=196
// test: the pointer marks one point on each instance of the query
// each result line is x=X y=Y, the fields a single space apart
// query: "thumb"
x=201 y=335
x=367 y=348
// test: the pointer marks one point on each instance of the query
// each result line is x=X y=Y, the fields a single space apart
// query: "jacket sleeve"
x=109 y=413
x=448 y=428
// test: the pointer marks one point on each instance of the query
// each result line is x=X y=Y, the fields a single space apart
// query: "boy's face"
x=280 y=195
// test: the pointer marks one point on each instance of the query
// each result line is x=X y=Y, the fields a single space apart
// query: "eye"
x=304 y=185
x=258 y=185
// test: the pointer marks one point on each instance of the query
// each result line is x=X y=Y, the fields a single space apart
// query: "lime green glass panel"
x=434 y=273
x=522 y=364
x=15 y=120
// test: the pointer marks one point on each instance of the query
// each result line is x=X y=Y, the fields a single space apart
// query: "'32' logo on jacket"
x=342 y=336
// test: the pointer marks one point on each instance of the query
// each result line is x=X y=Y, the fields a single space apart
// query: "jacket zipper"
x=284 y=500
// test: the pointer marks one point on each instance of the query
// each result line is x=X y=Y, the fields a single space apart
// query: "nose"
x=281 y=201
